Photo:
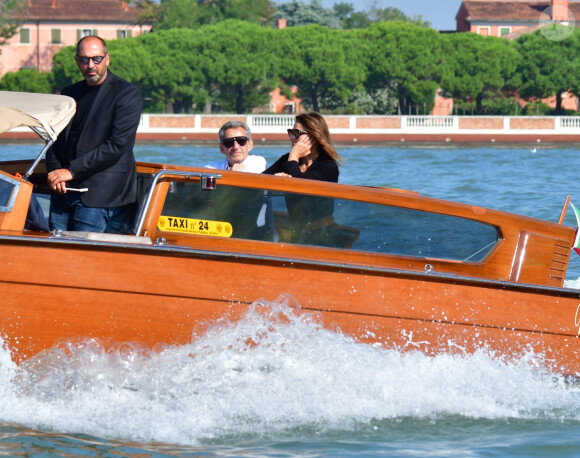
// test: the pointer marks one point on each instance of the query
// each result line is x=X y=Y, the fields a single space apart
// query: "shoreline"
x=338 y=140
x=369 y=139
x=345 y=140
x=365 y=130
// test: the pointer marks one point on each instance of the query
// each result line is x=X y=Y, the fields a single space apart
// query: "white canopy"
x=47 y=112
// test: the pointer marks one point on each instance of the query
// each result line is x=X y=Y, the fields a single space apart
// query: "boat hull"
x=385 y=266
x=62 y=289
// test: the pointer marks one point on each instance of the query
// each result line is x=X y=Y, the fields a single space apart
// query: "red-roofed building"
x=512 y=18
x=500 y=18
x=47 y=26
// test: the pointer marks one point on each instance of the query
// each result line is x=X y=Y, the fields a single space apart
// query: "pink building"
x=279 y=103
x=510 y=19
x=500 y=18
x=47 y=26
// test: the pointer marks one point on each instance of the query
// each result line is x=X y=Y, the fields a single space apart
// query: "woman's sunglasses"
x=296 y=133
x=229 y=142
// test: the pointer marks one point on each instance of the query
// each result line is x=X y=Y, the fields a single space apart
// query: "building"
x=279 y=103
x=503 y=18
x=510 y=19
x=47 y=26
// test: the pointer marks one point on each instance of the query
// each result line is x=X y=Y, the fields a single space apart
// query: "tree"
x=391 y=13
x=574 y=47
x=254 y=11
x=357 y=20
x=229 y=63
x=405 y=59
x=379 y=101
x=237 y=59
x=343 y=10
x=349 y=18
x=170 y=14
x=179 y=14
x=325 y=64
x=27 y=80
x=478 y=66
x=549 y=67
x=64 y=69
x=298 y=13
x=9 y=10
x=166 y=65
x=150 y=11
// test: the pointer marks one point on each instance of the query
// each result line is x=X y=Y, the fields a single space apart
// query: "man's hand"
x=58 y=178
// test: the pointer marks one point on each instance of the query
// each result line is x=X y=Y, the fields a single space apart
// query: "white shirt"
x=252 y=164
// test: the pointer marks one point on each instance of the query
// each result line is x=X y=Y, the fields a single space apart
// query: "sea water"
x=277 y=384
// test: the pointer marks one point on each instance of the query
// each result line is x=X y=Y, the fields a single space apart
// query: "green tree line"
x=169 y=14
x=387 y=67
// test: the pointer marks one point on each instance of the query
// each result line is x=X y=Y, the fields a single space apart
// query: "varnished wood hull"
x=62 y=289
x=382 y=265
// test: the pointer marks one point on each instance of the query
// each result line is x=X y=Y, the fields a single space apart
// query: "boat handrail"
x=158 y=176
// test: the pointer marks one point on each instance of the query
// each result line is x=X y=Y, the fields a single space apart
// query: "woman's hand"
x=301 y=148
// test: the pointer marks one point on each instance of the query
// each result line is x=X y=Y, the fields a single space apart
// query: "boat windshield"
x=285 y=217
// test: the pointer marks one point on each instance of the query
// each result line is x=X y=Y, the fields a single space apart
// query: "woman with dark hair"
x=312 y=156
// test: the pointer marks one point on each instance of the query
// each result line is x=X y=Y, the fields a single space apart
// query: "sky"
x=440 y=13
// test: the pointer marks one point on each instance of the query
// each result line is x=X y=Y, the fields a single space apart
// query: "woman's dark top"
x=311 y=217
x=323 y=168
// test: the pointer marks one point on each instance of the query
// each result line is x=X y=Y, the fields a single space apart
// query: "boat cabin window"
x=8 y=190
x=255 y=214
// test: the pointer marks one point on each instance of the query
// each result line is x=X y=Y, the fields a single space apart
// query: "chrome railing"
x=164 y=173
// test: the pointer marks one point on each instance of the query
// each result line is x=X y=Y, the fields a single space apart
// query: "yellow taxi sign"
x=194 y=226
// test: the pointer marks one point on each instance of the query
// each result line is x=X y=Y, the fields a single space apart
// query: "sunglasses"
x=85 y=60
x=229 y=142
x=296 y=133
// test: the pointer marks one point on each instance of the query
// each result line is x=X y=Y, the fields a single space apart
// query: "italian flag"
x=577 y=239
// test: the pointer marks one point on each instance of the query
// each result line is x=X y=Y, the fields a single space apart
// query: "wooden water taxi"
x=381 y=265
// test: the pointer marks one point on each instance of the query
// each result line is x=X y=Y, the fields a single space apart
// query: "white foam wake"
x=271 y=372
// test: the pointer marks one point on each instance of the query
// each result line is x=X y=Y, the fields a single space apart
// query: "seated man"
x=235 y=143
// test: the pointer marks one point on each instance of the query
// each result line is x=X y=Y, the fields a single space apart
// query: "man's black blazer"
x=104 y=161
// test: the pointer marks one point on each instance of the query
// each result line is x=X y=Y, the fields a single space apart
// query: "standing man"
x=235 y=143
x=95 y=151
